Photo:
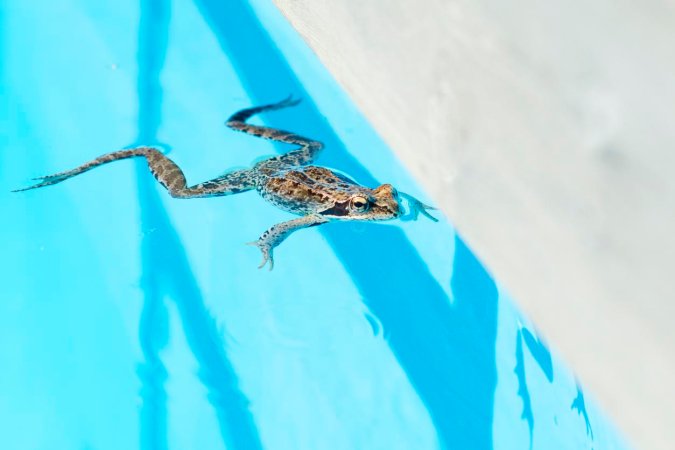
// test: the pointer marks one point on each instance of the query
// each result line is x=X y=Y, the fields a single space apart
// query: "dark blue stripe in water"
x=167 y=273
x=426 y=333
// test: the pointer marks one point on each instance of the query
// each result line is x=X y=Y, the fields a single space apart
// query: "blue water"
x=131 y=320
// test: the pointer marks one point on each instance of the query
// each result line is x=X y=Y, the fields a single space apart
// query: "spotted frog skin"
x=317 y=194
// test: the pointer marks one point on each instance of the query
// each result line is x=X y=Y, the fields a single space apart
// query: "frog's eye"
x=360 y=203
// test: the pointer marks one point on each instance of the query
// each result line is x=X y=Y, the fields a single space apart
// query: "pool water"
x=129 y=319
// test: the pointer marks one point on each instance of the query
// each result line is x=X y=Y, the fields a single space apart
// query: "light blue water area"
x=129 y=319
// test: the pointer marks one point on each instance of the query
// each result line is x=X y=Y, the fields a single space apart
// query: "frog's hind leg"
x=165 y=171
x=308 y=150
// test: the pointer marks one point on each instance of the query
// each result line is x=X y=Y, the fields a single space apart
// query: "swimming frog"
x=288 y=181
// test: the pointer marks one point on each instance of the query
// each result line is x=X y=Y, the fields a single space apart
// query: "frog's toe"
x=288 y=102
x=266 y=257
x=43 y=181
x=424 y=210
x=416 y=207
x=266 y=254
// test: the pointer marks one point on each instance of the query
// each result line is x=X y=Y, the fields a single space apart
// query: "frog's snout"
x=388 y=201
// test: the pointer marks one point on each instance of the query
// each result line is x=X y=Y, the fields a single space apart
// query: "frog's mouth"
x=386 y=209
x=377 y=210
x=339 y=210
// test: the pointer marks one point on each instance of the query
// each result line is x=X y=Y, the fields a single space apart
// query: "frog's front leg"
x=417 y=207
x=275 y=235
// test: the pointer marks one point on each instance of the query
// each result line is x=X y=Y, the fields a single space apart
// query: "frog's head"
x=381 y=203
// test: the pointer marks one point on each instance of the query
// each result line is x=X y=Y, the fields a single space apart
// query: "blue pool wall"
x=133 y=320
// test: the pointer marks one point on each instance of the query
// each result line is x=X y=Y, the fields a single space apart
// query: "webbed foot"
x=417 y=207
x=47 y=180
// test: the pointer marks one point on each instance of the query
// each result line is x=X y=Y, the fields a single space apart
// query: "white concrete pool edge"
x=549 y=149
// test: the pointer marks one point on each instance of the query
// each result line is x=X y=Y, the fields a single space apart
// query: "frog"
x=289 y=181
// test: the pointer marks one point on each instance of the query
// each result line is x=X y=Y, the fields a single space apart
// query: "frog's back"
x=306 y=190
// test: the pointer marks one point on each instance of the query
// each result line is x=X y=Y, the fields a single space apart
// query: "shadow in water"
x=523 y=391
x=447 y=351
x=167 y=273
x=542 y=356
x=579 y=403
x=539 y=352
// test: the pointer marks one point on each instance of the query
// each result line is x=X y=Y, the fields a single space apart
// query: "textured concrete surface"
x=544 y=131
